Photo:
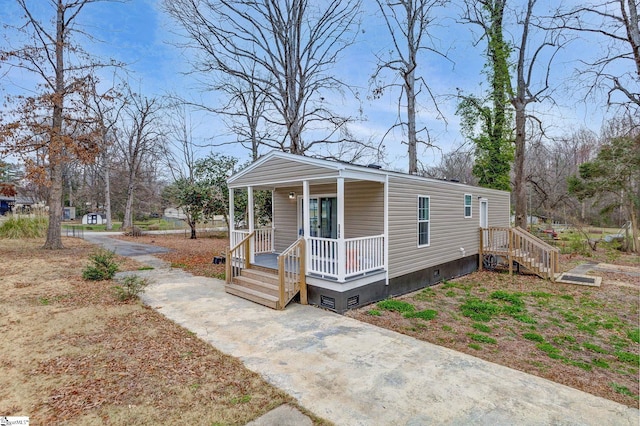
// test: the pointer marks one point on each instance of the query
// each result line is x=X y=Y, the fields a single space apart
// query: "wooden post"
x=510 y=256
x=281 y=281
x=480 y=250
x=227 y=266
x=303 y=274
x=247 y=252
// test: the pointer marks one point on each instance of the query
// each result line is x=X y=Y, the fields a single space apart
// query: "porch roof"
x=278 y=168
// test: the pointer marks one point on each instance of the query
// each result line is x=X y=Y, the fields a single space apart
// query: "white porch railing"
x=262 y=240
x=362 y=255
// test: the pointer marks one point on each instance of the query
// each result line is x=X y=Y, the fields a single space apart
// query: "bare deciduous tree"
x=615 y=68
x=408 y=22
x=43 y=121
x=284 y=50
x=140 y=142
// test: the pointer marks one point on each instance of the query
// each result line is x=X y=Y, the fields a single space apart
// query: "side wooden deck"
x=515 y=245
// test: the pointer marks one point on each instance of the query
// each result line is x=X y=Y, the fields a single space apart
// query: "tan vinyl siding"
x=283 y=170
x=449 y=231
x=363 y=209
x=285 y=217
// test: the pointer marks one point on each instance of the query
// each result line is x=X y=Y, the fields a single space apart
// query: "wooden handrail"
x=521 y=246
x=232 y=253
x=289 y=279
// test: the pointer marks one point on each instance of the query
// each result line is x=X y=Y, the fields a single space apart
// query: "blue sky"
x=138 y=33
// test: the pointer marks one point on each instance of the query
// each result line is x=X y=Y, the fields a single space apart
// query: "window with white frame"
x=467 y=205
x=424 y=221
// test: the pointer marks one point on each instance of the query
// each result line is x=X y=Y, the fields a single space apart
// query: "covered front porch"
x=333 y=216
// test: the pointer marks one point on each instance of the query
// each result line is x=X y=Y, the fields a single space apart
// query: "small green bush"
x=103 y=266
x=130 y=287
x=396 y=305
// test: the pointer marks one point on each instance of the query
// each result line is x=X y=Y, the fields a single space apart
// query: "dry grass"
x=73 y=354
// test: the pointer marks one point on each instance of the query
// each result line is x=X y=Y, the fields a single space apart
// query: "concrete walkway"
x=353 y=373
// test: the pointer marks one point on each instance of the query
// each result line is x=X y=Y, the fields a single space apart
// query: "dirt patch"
x=73 y=354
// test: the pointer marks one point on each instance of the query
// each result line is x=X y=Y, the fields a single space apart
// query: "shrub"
x=103 y=266
x=130 y=287
x=24 y=227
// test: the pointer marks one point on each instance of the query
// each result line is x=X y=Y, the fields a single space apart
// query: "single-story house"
x=365 y=233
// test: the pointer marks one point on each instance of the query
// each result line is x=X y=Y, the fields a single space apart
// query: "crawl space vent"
x=327 y=302
x=353 y=301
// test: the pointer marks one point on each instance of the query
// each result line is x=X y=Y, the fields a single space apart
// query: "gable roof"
x=278 y=168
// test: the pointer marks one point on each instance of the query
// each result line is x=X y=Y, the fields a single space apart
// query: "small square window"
x=467 y=205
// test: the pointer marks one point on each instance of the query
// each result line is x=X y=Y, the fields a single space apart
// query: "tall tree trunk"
x=518 y=168
x=411 y=120
x=128 y=213
x=107 y=189
x=56 y=146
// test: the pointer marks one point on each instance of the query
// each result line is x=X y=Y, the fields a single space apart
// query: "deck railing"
x=237 y=258
x=361 y=255
x=262 y=241
x=516 y=244
x=291 y=274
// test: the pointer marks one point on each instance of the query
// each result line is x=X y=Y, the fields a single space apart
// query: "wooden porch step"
x=256 y=284
x=253 y=295
x=267 y=277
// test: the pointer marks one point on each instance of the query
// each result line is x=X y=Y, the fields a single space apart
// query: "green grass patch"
x=146 y=268
x=559 y=340
x=450 y=293
x=594 y=348
x=628 y=357
x=533 y=337
x=426 y=315
x=425 y=294
x=374 y=312
x=482 y=338
x=479 y=310
x=447 y=328
x=579 y=364
x=540 y=294
x=550 y=350
x=623 y=390
x=634 y=335
x=475 y=346
x=601 y=363
x=396 y=306
x=513 y=298
x=481 y=327
x=527 y=319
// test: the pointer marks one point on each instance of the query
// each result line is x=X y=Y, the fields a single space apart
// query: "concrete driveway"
x=353 y=373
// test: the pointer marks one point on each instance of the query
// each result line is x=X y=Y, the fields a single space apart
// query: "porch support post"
x=250 y=213
x=342 y=254
x=386 y=230
x=306 y=228
x=231 y=214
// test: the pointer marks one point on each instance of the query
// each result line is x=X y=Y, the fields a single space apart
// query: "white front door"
x=484 y=213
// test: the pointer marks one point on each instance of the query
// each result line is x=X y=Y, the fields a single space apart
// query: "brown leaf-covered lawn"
x=72 y=354
x=583 y=337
